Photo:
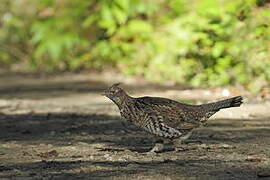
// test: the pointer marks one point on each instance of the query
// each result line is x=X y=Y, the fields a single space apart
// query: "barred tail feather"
x=227 y=103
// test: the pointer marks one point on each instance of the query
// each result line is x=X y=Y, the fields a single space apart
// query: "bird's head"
x=115 y=93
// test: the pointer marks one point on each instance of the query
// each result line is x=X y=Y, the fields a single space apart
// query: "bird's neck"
x=125 y=100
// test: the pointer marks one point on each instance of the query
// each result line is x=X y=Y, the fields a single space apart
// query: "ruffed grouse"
x=165 y=118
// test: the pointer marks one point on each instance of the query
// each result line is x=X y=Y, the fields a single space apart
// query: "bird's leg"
x=159 y=146
x=185 y=139
x=178 y=143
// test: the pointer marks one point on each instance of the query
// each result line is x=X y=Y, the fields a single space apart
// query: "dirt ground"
x=60 y=127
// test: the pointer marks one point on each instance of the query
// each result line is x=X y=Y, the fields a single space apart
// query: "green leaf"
x=140 y=26
x=119 y=15
x=124 y=4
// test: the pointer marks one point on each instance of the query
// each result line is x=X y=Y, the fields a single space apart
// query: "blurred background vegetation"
x=202 y=43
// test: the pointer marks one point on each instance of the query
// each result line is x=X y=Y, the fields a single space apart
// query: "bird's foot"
x=180 y=149
x=190 y=141
x=159 y=147
x=179 y=145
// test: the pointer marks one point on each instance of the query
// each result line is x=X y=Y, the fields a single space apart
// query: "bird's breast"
x=131 y=114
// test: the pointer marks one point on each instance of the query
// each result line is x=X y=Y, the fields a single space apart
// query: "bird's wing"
x=172 y=113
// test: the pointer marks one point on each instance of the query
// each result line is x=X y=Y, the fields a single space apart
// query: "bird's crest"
x=116 y=84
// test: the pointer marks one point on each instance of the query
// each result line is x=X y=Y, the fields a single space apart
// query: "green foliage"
x=202 y=43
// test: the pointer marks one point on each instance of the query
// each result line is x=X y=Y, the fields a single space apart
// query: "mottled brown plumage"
x=165 y=118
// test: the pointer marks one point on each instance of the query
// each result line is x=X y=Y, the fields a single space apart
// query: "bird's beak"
x=104 y=93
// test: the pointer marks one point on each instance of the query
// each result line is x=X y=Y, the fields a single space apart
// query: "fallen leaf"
x=49 y=154
x=254 y=159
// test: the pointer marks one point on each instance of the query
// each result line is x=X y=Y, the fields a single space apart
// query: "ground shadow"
x=60 y=128
x=55 y=128
x=14 y=86
x=50 y=89
x=69 y=128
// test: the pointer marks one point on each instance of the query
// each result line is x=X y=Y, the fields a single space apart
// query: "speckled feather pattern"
x=167 y=118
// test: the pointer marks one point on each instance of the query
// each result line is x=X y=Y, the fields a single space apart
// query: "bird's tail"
x=227 y=103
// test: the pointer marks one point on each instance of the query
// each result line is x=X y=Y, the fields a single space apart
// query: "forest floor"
x=60 y=127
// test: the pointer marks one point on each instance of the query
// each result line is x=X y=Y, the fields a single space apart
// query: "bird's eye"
x=113 y=91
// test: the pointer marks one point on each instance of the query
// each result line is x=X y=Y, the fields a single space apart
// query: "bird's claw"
x=157 y=148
